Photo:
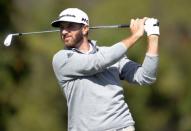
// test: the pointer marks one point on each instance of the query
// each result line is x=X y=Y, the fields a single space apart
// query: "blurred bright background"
x=31 y=99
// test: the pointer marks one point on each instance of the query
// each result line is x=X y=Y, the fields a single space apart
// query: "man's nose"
x=64 y=31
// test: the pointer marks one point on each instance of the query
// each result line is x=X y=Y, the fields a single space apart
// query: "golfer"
x=90 y=75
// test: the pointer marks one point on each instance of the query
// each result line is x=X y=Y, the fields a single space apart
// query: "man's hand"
x=137 y=27
x=151 y=27
x=137 y=30
x=152 y=30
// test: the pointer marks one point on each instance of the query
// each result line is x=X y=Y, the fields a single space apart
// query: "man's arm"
x=145 y=74
x=68 y=65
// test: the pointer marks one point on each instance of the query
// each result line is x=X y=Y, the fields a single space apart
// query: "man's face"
x=71 y=33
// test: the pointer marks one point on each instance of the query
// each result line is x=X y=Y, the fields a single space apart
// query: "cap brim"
x=56 y=23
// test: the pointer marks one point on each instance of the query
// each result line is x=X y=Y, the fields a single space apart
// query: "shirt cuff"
x=151 y=55
x=121 y=43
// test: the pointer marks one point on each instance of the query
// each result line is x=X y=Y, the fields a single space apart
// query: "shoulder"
x=61 y=56
x=102 y=48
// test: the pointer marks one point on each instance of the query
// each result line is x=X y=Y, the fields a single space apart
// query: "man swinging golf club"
x=90 y=75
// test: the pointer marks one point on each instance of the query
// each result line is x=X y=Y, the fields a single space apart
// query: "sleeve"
x=139 y=74
x=67 y=66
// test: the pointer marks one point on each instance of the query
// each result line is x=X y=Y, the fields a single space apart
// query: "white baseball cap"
x=71 y=15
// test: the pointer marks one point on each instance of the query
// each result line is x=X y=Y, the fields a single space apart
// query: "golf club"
x=8 y=39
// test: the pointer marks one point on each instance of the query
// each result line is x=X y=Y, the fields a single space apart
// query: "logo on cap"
x=85 y=20
x=67 y=15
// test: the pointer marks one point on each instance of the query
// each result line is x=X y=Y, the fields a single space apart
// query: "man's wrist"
x=153 y=38
x=153 y=44
x=129 y=42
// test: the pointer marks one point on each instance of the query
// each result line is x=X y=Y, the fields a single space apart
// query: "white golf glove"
x=151 y=27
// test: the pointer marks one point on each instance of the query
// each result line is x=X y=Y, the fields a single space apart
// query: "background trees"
x=30 y=98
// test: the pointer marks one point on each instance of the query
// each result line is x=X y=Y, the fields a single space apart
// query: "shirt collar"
x=92 y=49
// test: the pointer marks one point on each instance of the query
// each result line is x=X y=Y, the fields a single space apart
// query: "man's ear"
x=85 y=30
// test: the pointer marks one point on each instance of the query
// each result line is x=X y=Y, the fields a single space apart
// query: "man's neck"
x=83 y=46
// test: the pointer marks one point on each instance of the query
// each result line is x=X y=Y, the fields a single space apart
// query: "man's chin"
x=69 y=45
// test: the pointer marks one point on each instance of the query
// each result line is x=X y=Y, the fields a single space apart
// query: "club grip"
x=127 y=25
x=124 y=26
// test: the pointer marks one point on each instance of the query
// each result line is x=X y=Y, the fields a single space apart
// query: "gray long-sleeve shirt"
x=91 y=84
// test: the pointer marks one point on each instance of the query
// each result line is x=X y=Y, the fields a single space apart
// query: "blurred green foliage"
x=30 y=98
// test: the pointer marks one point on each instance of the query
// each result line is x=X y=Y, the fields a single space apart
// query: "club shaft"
x=115 y=26
x=37 y=32
x=110 y=26
x=92 y=27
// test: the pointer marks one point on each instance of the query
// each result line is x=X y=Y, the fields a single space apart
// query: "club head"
x=8 y=40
